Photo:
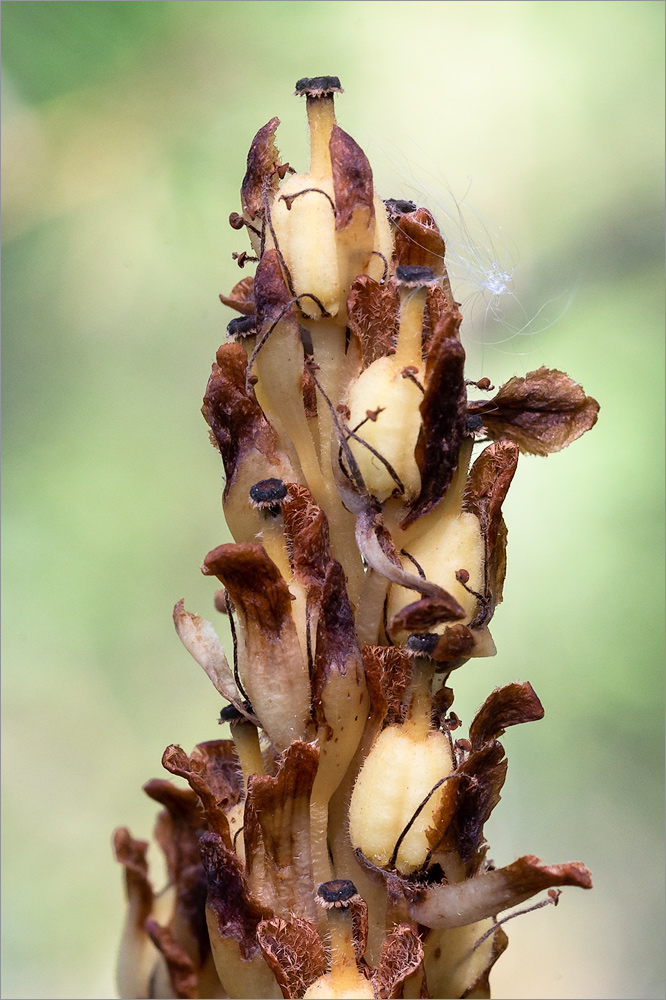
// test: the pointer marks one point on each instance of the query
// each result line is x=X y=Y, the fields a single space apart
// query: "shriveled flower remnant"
x=334 y=846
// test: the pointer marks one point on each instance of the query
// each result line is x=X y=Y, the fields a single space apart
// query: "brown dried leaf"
x=418 y=241
x=439 y=303
x=360 y=926
x=308 y=539
x=131 y=854
x=477 y=798
x=179 y=827
x=425 y=614
x=487 y=486
x=273 y=669
x=443 y=415
x=237 y=913
x=401 y=954
x=352 y=177
x=223 y=771
x=388 y=671
x=543 y=412
x=262 y=160
x=506 y=706
x=234 y=416
x=241 y=297
x=486 y=895
x=337 y=651
x=193 y=769
x=181 y=968
x=271 y=294
x=294 y=952
x=455 y=643
x=254 y=584
x=277 y=834
x=373 y=312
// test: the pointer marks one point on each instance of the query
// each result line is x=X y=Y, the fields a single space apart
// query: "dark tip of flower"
x=318 y=86
x=338 y=893
x=230 y=714
x=241 y=326
x=473 y=423
x=397 y=206
x=267 y=494
x=422 y=643
x=412 y=276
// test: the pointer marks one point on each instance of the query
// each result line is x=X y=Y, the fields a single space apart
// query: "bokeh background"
x=533 y=130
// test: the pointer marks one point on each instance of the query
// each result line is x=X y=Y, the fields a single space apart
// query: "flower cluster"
x=334 y=846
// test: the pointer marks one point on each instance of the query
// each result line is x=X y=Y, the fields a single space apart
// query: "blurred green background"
x=533 y=130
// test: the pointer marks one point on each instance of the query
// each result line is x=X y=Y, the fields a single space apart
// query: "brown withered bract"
x=335 y=846
x=543 y=412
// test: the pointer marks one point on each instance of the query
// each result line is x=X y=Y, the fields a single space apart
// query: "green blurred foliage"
x=534 y=132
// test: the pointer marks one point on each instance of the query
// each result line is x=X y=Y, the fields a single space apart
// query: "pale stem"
x=321 y=119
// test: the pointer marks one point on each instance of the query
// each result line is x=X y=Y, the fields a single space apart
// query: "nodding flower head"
x=363 y=492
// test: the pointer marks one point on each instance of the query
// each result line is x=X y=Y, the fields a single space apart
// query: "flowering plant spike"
x=334 y=846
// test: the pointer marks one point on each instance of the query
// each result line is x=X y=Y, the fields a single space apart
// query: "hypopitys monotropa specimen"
x=334 y=845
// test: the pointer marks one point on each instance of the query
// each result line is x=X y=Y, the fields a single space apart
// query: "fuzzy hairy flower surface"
x=334 y=846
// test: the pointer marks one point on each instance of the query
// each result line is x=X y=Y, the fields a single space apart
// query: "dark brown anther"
x=337 y=893
x=318 y=86
x=282 y=169
x=343 y=410
x=252 y=379
x=373 y=414
x=236 y=221
x=485 y=385
x=473 y=423
x=462 y=576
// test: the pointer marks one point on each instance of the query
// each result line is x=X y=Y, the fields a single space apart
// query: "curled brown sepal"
x=237 y=912
x=438 y=304
x=234 y=416
x=337 y=652
x=418 y=241
x=424 y=614
x=484 y=773
x=273 y=669
x=443 y=416
x=352 y=177
x=388 y=671
x=178 y=827
x=201 y=641
x=507 y=706
x=486 y=895
x=271 y=294
x=277 y=834
x=543 y=412
x=487 y=486
x=377 y=548
x=401 y=954
x=193 y=770
x=179 y=964
x=294 y=953
x=373 y=312
x=308 y=539
x=131 y=854
x=177 y=831
x=262 y=160
x=241 y=297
